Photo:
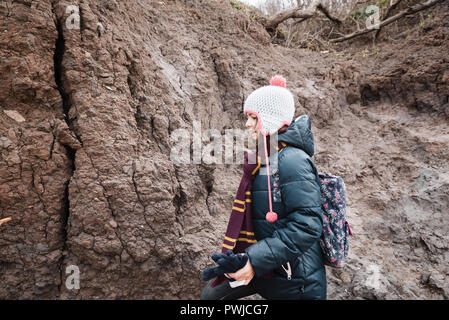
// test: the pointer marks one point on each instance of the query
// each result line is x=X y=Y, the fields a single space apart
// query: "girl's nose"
x=248 y=123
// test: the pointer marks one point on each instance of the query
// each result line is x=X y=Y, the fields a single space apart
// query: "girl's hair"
x=283 y=128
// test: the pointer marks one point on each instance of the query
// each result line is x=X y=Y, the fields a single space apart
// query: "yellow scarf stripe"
x=247 y=233
x=238 y=209
x=230 y=239
x=283 y=144
x=227 y=247
x=258 y=166
x=248 y=200
x=239 y=201
x=247 y=240
x=248 y=192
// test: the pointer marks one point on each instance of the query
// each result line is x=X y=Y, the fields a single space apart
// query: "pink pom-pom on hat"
x=279 y=81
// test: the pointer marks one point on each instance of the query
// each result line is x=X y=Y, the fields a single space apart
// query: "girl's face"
x=252 y=126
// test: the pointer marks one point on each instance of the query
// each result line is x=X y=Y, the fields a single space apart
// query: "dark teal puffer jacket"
x=294 y=237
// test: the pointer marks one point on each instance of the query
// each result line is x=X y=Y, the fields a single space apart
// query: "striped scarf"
x=240 y=233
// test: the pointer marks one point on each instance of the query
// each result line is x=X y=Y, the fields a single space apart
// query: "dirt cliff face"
x=87 y=111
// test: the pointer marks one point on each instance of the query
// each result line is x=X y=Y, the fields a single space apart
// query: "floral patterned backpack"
x=336 y=231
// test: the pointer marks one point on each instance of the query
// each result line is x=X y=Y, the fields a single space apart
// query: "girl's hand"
x=246 y=273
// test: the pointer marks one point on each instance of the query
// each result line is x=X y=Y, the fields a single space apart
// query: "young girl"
x=286 y=261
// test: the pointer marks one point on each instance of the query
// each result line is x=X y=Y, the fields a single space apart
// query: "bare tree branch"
x=296 y=12
x=298 y=21
x=409 y=10
x=324 y=10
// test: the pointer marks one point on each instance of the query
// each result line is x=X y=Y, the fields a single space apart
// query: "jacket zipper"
x=288 y=271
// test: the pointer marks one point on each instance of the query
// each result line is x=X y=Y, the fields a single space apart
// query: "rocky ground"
x=86 y=115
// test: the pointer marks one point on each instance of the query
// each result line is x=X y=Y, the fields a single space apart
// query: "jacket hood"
x=299 y=134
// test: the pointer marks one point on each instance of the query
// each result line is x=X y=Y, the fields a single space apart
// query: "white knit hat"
x=274 y=105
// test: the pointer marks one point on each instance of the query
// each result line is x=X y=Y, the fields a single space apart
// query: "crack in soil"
x=65 y=213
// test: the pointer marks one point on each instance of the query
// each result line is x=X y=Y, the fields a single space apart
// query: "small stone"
x=345 y=277
x=5 y=142
x=40 y=284
x=100 y=29
x=42 y=247
x=13 y=114
x=113 y=224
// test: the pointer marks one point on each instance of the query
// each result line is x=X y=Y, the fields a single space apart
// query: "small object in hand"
x=235 y=284
x=2 y=221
